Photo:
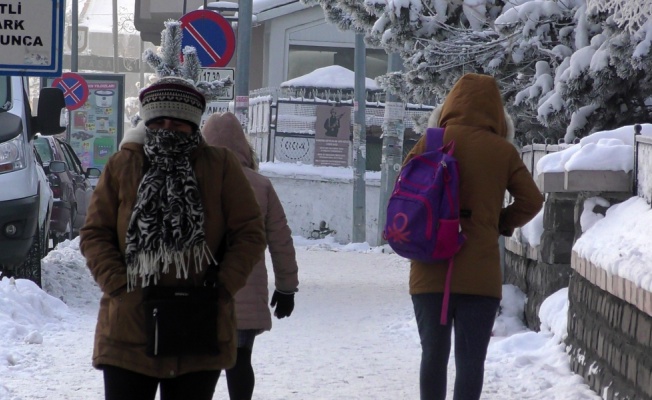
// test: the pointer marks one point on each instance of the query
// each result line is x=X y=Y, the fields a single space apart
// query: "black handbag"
x=182 y=321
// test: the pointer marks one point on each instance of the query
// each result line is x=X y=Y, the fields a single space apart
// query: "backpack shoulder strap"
x=434 y=139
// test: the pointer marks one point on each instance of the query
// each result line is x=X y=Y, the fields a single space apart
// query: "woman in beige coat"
x=474 y=118
x=161 y=209
x=252 y=313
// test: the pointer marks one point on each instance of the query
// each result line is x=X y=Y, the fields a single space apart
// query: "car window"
x=43 y=149
x=71 y=158
x=38 y=157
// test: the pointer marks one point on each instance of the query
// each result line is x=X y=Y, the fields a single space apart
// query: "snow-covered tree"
x=627 y=14
x=169 y=62
x=565 y=69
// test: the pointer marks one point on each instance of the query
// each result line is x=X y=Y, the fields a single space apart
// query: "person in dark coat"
x=161 y=209
x=474 y=118
x=252 y=312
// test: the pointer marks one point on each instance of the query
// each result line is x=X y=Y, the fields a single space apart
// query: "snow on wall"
x=644 y=175
x=309 y=199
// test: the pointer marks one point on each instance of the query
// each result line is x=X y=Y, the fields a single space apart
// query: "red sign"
x=75 y=89
x=211 y=35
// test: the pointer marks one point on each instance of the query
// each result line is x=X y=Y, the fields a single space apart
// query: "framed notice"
x=332 y=135
x=95 y=128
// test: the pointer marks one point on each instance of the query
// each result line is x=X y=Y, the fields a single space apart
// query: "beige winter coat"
x=229 y=206
x=473 y=116
x=251 y=302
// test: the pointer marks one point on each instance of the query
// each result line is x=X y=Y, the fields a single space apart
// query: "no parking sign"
x=75 y=89
x=211 y=35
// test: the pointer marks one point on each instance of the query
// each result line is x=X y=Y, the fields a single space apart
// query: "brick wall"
x=609 y=338
x=609 y=342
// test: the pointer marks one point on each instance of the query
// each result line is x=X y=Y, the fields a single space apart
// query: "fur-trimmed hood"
x=134 y=135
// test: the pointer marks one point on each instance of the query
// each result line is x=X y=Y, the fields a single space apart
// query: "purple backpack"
x=423 y=212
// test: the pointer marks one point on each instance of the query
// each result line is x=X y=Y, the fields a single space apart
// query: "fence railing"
x=283 y=129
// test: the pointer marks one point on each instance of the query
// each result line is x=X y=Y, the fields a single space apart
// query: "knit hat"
x=172 y=97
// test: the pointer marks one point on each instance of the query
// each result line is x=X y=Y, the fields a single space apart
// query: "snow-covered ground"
x=352 y=335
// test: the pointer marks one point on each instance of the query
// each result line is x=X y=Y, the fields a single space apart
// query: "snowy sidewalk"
x=351 y=336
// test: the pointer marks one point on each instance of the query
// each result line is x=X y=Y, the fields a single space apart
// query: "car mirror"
x=57 y=167
x=93 y=172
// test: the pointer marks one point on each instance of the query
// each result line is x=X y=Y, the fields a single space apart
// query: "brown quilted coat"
x=229 y=206
x=251 y=302
x=473 y=116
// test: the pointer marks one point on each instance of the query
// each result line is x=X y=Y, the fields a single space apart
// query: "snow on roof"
x=260 y=6
x=333 y=76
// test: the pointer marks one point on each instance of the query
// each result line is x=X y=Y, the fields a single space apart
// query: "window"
x=71 y=158
x=303 y=60
x=43 y=149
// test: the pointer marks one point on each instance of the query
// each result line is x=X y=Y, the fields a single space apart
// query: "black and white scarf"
x=167 y=223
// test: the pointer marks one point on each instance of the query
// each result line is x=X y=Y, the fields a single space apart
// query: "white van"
x=25 y=202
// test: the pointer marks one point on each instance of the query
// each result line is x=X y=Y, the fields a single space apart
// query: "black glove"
x=284 y=303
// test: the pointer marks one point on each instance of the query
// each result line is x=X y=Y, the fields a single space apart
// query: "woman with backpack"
x=473 y=117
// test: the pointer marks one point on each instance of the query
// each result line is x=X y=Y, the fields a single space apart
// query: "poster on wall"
x=95 y=127
x=332 y=135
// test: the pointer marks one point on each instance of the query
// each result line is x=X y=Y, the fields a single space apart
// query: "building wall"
x=332 y=202
x=307 y=26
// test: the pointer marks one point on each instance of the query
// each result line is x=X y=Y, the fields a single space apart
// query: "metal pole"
x=141 y=63
x=637 y=132
x=393 y=131
x=359 y=143
x=74 y=38
x=116 y=57
x=242 y=62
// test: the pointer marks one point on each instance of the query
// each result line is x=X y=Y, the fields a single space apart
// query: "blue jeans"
x=472 y=317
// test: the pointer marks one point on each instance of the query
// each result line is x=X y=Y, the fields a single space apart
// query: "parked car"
x=70 y=184
x=23 y=198
x=45 y=206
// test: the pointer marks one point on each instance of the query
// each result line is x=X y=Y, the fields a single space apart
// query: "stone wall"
x=609 y=342
x=541 y=271
x=609 y=338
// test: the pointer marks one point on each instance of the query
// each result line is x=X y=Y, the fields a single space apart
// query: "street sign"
x=31 y=37
x=75 y=89
x=211 y=34
x=213 y=74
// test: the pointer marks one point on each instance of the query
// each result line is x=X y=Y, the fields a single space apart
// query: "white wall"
x=310 y=199
x=301 y=27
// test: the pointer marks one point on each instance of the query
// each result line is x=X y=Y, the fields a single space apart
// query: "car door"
x=83 y=188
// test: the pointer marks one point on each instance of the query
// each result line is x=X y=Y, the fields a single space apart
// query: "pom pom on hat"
x=172 y=97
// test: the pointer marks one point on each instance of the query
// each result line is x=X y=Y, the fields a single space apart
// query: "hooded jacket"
x=473 y=116
x=230 y=208
x=252 y=311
